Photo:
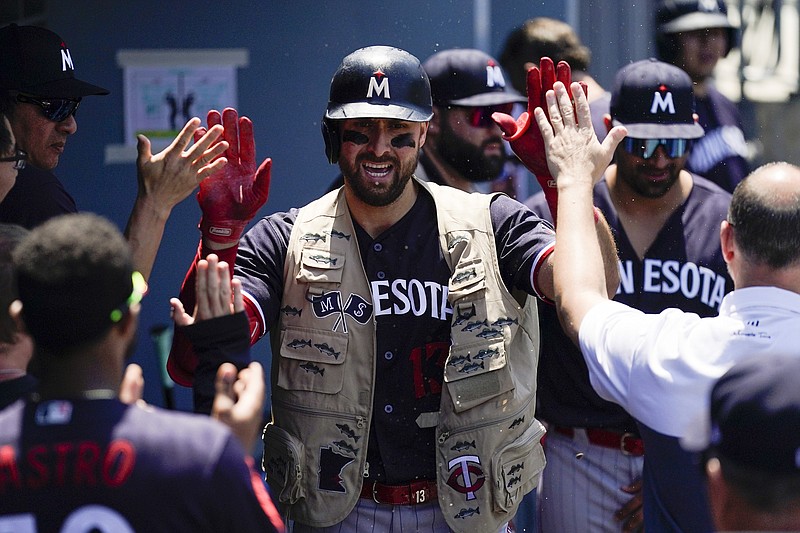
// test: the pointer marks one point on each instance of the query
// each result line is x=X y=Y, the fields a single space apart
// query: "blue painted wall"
x=294 y=48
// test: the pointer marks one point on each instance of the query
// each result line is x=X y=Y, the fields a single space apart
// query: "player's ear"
x=423 y=134
x=726 y=241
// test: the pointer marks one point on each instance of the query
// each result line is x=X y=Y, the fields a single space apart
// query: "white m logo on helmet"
x=494 y=76
x=662 y=103
x=378 y=88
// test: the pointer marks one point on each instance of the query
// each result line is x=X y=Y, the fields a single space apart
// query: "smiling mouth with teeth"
x=377 y=170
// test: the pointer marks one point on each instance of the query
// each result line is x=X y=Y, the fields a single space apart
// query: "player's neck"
x=76 y=374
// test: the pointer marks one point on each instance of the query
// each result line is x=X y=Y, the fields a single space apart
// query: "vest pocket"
x=476 y=373
x=468 y=277
x=283 y=464
x=320 y=266
x=312 y=360
x=517 y=466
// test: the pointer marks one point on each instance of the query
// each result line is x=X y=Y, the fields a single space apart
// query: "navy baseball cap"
x=675 y=16
x=755 y=416
x=654 y=100
x=36 y=61
x=468 y=77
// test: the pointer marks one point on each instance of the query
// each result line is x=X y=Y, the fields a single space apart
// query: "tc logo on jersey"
x=379 y=85
x=662 y=101
x=494 y=75
x=466 y=468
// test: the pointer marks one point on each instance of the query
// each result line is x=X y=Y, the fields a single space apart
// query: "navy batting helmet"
x=376 y=82
x=678 y=16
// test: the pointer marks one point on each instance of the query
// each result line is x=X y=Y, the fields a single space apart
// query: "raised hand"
x=230 y=197
x=217 y=294
x=525 y=138
x=574 y=155
x=172 y=174
x=239 y=400
x=165 y=179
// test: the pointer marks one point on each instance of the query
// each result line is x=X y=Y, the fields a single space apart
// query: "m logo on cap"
x=662 y=101
x=494 y=75
x=378 y=87
x=66 y=59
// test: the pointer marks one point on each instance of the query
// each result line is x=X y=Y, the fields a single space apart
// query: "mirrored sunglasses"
x=645 y=148
x=19 y=159
x=55 y=109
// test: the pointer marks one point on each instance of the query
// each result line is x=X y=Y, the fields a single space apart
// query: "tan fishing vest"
x=488 y=451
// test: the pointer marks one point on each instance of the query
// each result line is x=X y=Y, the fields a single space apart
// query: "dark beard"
x=467 y=159
x=371 y=196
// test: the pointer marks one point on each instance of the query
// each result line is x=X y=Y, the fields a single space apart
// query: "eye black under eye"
x=355 y=137
x=405 y=140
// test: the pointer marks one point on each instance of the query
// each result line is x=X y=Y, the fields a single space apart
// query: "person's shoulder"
x=181 y=430
x=708 y=189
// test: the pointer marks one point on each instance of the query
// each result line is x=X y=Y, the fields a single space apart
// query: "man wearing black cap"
x=464 y=146
x=665 y=222
x=39 y=94
x=751 y=445
x=695 y=35
x=661 y=367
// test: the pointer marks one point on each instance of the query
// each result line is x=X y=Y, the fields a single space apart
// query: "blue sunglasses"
x=645 y=148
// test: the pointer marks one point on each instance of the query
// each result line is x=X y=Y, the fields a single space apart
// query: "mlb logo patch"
x=54 y=413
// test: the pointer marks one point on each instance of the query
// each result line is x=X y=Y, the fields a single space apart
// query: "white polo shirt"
x=660 y=368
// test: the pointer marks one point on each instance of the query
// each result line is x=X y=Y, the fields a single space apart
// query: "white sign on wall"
x=165 y=88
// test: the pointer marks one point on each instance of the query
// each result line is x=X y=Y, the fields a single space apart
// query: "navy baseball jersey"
x=409 y=277
x=720 y=154
x=103 y=466
x=36 y=196
x=683 y=268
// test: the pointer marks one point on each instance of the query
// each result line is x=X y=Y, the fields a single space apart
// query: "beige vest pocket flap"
x=468 y=277
x=320 y=266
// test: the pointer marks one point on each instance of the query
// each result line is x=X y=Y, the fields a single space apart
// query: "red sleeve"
x=182 y=360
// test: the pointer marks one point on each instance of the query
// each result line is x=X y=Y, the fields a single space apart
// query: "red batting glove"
x=230 y=197
x=523 y=134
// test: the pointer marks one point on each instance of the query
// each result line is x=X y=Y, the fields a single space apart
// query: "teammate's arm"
x=577 y=160
x=166 y=179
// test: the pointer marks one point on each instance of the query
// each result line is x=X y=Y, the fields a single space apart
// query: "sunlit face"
x=700 y=50
x=43 y=139
x=378 y=157
x=648 y=178
x=475 y=152
x=8 y=174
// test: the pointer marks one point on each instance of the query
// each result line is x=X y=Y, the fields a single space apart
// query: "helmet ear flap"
x=330 y=132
